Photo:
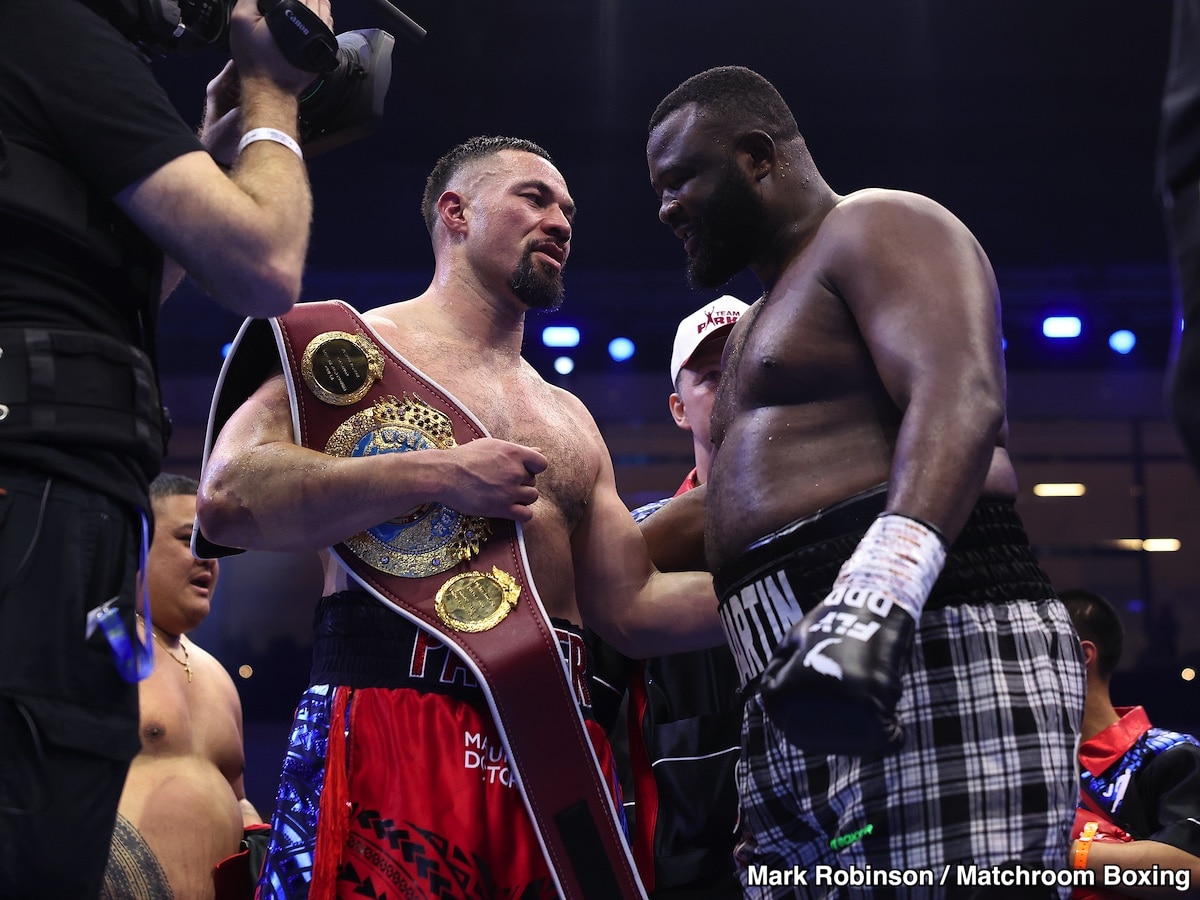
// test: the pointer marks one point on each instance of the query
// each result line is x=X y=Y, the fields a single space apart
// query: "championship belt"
x=464 y=578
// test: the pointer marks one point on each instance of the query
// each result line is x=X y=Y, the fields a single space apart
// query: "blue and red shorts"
x=431 y=806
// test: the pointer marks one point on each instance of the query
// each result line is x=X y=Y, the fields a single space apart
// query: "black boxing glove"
x=833 y=683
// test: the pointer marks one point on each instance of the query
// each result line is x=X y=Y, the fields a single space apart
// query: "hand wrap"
x=833 y=683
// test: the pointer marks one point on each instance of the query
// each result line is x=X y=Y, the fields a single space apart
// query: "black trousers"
x=68 y=721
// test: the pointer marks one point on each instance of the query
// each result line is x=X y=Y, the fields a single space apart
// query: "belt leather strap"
x=517 y=662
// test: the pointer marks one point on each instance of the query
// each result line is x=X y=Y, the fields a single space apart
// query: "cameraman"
x=106 y=198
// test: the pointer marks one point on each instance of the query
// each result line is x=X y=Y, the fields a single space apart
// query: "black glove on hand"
x=833 y=683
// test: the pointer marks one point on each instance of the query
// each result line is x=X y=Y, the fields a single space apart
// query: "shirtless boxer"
x=861 y=420
x=501 y=221
x=184 y=806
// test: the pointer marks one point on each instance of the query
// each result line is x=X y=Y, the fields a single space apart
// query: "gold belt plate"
x=339 y=367
x=477 y=601
x=429 y=539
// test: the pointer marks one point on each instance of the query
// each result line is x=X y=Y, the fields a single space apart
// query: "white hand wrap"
x=897 y=561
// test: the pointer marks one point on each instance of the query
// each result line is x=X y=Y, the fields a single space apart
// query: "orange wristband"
x=1085 y=844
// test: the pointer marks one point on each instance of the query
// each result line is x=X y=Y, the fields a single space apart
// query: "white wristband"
x=269 y=134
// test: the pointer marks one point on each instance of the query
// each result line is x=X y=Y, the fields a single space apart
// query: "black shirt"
x=81 y=118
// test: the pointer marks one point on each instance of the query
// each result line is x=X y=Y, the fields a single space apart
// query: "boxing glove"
x=833 y=683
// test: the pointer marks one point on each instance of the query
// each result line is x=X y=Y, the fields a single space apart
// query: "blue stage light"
x=564 y=365
x=560 y=336
x=1122 y=341
x=620 y=349
x=225 y=350
x=1061 y=326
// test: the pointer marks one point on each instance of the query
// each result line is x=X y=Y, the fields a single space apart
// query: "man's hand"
x=222 y=126
x=258 y=56
x=833 y=683
x=494 y=478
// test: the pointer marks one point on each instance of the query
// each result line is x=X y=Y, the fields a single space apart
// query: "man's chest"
x=530 y=414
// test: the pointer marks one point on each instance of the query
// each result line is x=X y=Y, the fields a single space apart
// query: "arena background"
x=1034 y=122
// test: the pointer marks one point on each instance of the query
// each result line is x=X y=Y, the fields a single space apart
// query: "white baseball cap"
x=717 y=317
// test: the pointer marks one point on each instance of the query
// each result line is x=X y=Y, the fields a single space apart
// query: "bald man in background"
x=184 y=806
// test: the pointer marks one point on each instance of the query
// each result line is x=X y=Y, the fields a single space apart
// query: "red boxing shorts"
x=428 y=803
x=433 y=805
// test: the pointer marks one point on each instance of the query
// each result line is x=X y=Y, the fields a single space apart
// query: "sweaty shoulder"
x=873 y=210
x=387 y=318
x=877 y=233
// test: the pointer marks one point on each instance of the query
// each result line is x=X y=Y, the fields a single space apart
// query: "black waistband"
x=782 y=576
x=990 y=562
x=850 y=516
x=358 y=642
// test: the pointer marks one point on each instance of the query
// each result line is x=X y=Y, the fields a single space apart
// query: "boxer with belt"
x=398 y=775
x=913 y=692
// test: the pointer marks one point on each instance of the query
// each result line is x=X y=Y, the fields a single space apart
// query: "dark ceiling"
x=1034 y=120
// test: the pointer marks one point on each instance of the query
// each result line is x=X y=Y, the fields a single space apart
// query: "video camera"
x=345 y=100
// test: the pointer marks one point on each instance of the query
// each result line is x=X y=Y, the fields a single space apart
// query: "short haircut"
x=1097 y=621
x=739 y=96
x=453 y=161
x=166 y=484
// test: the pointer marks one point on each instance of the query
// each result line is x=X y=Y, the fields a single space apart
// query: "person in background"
x=682 y=713
x=913 y=685
x=1139 y=786
x=106 y=198
x=184 y=808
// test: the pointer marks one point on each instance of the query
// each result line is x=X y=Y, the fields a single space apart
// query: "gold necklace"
x=186 y=662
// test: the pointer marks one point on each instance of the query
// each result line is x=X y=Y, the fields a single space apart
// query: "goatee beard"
x=728 y=234
x=536 y=287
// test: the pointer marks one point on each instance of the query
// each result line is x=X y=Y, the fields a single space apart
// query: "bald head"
x=738 y=97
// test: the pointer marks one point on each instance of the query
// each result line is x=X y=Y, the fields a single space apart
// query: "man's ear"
x=757 y=150
x=679 y=412
x=1091 y=653
x=452 y=210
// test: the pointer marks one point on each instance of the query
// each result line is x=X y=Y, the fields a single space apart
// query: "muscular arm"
x=259 y=490
x=923 y=295
x=675 y=533
x=242 y=237
x=622 y=596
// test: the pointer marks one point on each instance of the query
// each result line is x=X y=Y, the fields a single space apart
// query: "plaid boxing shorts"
x=991 y=704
